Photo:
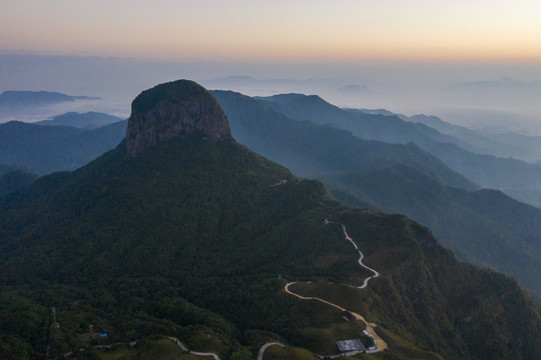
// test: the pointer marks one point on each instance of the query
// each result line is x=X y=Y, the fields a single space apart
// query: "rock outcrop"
x=174 y=110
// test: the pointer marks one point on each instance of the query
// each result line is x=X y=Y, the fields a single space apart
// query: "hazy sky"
x=487 y=30
x=406 y=55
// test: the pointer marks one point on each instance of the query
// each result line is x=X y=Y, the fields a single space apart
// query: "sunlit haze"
x=413 y=56
x=281 y=30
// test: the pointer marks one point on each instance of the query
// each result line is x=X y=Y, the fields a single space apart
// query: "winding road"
x=380 y=344
x=264 y=347
x=184 y=348
x=177 y=341
x=348 y=238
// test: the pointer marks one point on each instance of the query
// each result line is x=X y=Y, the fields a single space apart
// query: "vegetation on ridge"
x=190 y=237
x=196 y=239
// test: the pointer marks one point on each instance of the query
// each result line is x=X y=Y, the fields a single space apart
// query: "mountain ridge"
x=517 y=178
x=461 y=217
x=12 y=98
x=191 y=237
x=88 y=120
x=44 y=149
x=254 y=123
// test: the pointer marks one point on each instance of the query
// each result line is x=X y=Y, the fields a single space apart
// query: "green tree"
x=242 y=354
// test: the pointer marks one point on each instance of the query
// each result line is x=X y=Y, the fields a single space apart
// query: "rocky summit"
x=174 y=110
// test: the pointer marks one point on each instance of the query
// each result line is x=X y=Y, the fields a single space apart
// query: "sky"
x=279 y=30
x=414 y=56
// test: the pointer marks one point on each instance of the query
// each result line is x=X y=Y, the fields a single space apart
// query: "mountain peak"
x=175 y=109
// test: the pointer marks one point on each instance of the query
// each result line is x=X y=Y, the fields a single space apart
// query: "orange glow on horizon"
x=296 y=30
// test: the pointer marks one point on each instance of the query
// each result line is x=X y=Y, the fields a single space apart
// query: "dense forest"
x=196 y=238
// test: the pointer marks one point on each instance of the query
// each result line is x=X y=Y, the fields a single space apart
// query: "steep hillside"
x=14 y=180
x=428 y=293
x=483 y=227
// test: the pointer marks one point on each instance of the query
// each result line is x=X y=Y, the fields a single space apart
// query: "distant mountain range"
x=25 y=105
x=268 y=86
x=45 y=149
x=354 y=88
x=518 y=146
x=88 y=120
x=496 y=153
x=243 y=80
x=504 y=84
x=310 y=149
x=395 y=178
x=512 y=176
x=11 y=100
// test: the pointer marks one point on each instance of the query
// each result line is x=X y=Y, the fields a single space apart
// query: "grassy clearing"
x=205 y=340
x=276 y=352
x=323 y=340
x=404 y=349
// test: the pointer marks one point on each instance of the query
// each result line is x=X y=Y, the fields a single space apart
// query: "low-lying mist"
x=490 y=97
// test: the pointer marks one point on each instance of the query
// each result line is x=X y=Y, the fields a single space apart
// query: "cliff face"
x=174 y=110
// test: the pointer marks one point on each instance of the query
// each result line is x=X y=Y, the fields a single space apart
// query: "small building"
x=347 y=346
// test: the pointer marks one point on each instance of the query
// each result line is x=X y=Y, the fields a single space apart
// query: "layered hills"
x=484 y=227
x=195 y=237
x=14 y=99
x=515 y=177
x=395 y=178
x=16 y=104
x=44 y=149
x=88 y=120
x=311 y=150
